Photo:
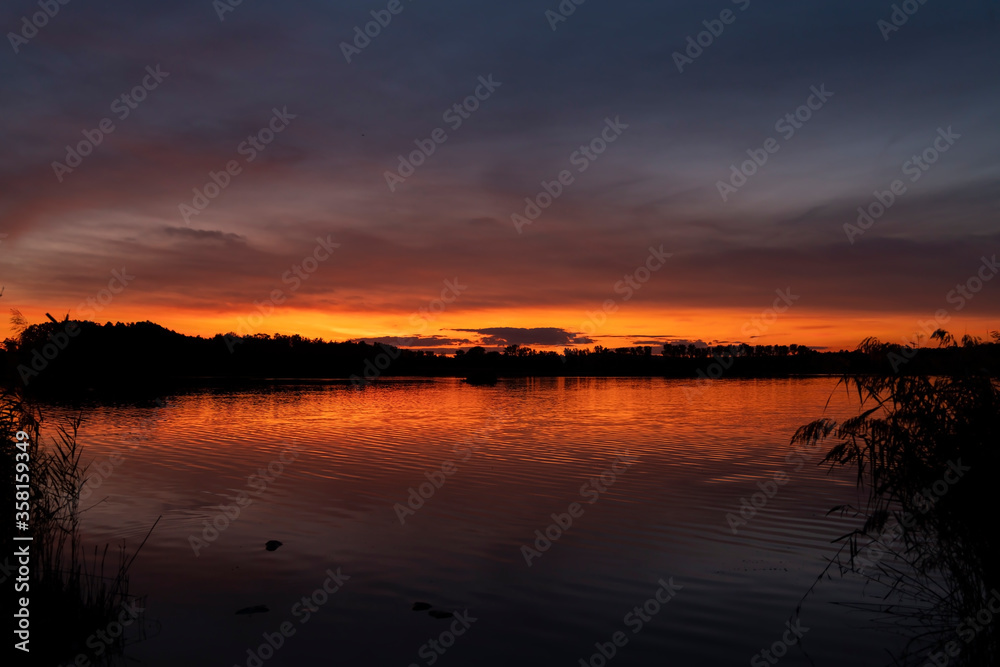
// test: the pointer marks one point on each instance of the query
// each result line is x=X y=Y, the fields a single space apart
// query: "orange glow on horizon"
x=630 y=325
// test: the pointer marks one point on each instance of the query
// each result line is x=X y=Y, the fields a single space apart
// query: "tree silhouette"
x=943 y=337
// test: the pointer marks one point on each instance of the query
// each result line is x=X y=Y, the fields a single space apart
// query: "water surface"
x=521 y=451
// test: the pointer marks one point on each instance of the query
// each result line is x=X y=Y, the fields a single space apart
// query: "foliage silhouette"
x=925 y=452
x=73 y=355
x=72 y=594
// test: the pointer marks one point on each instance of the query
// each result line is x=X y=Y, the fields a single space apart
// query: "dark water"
x=521 y=451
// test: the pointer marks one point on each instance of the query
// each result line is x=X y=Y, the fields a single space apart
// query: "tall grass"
x=912 y=433
x=73 y=593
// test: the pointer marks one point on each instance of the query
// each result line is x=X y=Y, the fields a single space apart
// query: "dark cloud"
x=226 y=238
x=657 y=184
x=528 y=336
x=684 y=341
x=422 y=342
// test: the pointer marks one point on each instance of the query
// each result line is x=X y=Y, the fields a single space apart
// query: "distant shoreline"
x=73 y=357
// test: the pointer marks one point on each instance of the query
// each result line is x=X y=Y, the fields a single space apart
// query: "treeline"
x=74 y=354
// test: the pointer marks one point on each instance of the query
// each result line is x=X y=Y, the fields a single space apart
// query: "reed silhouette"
x=73 y=593
x=925 y=452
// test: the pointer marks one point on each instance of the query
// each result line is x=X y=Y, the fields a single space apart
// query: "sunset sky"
x=669 y=138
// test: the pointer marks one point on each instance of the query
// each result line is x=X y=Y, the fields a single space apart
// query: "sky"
x=272 y=168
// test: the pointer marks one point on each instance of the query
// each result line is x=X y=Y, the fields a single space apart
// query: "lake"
x=430 y=490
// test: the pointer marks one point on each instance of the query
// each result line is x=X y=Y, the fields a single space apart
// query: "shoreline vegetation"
x=70 y=356
x=73 y=593
x=923 y=447
x=925 y=453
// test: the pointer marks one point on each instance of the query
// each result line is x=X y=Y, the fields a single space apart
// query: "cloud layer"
x=657 y=183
